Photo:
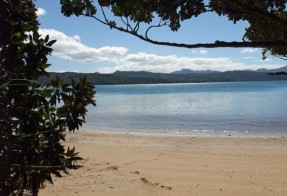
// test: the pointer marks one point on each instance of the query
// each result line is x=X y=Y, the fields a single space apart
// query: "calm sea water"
x=205 y=108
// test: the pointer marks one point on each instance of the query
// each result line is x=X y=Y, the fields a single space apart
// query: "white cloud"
x=118 y=58
x=202 y=51
x=249 y=50
x=40 y=12
x=71 y=48
x=249 y=57
x=166 y=64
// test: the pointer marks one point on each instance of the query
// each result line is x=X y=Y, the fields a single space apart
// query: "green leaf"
x=16 y=37
x=50 y=43
x=47 y=38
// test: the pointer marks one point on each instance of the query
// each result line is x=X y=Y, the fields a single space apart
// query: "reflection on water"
x=244 y=107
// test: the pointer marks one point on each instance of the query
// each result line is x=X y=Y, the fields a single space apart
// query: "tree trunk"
x=35 y=189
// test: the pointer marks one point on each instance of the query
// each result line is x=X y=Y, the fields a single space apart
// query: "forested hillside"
x=120 y=77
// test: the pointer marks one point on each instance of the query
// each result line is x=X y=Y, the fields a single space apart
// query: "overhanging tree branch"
x=216 y=44
x=267 y=19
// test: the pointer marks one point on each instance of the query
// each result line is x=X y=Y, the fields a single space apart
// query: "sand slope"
x=132 y=164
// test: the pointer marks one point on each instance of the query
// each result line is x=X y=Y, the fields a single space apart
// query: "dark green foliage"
x=267 y=19
x=173 y=11
x=78 y=7
x=34 y=116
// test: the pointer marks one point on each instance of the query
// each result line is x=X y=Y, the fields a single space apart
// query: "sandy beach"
x=120 y=164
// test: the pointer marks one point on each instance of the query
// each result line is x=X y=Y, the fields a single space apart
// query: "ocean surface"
x=237 y=108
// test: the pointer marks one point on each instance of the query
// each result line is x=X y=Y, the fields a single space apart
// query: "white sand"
x=132 y=164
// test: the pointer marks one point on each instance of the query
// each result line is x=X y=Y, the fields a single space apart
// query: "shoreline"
x=226 y=134
x=141 y=164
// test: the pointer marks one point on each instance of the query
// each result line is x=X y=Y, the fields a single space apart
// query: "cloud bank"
x=249 y=50
x=118 y=58
x=71 y=48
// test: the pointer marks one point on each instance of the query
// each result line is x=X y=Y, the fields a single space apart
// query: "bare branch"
x=283 y=58
x=155 y=26
x=216 y=44
x=137 y=27
x=126 y=23
x=128 y=26
x=104 y=14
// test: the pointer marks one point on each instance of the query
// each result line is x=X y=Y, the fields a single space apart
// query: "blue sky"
x=84 y=45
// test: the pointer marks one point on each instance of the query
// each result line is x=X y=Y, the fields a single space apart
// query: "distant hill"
x=142 y=77
x=281 y=69
x=189 y=71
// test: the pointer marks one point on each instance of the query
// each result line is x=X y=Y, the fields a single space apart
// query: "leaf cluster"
x=267 y=19
x=78 y=7
x=34 y=116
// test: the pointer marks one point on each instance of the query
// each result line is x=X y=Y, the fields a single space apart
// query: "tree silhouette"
x=267 y=19
x=34 y=116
